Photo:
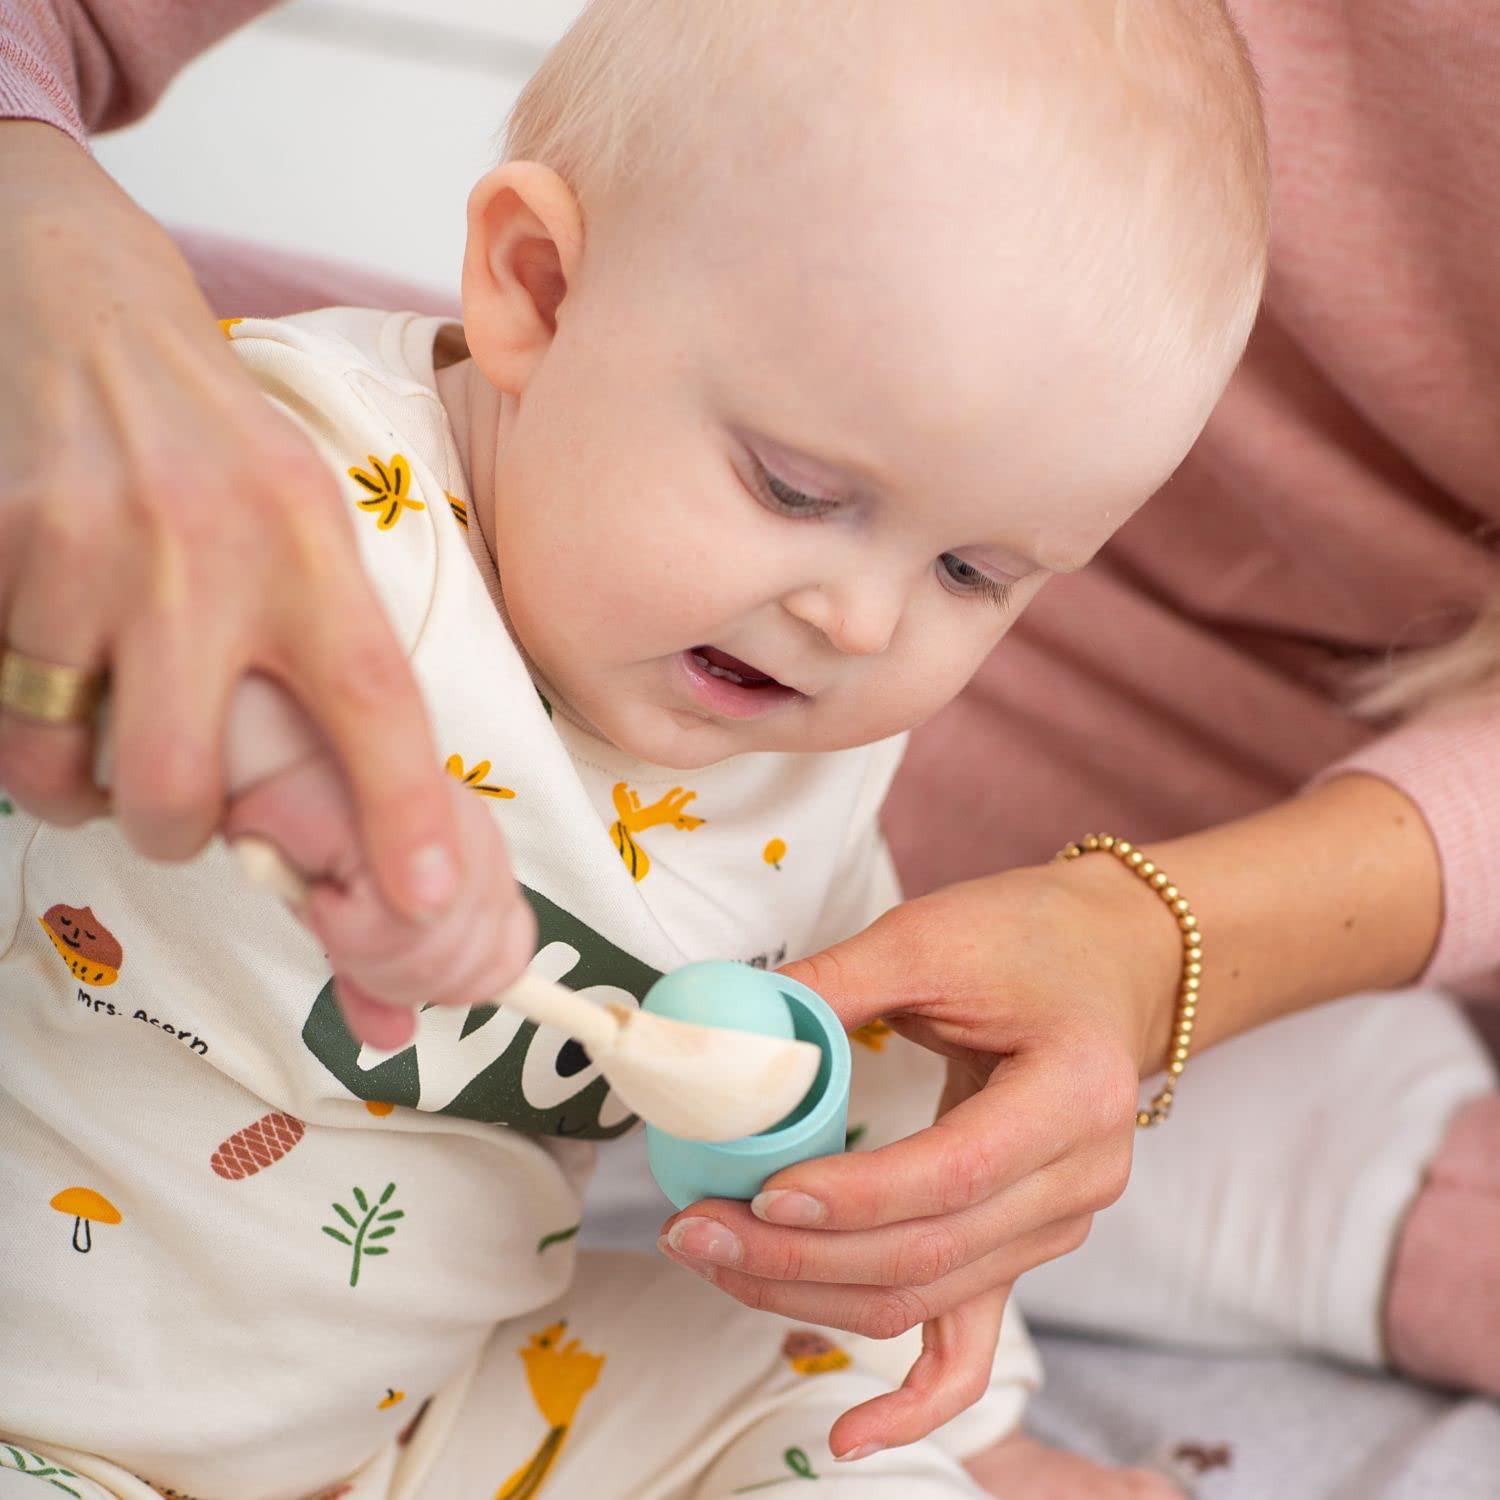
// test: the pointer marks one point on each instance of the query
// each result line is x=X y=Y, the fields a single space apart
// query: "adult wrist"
x=1144 y=940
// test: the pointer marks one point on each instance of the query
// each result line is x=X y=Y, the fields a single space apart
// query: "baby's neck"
x=473 y=407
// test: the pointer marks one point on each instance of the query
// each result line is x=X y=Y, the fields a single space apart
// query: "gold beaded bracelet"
x=1192 y=958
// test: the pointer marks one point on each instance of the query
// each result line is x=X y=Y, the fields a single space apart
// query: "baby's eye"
x=777 y=495
x=964 y=578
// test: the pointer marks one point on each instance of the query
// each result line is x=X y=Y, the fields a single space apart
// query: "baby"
x=803 y=341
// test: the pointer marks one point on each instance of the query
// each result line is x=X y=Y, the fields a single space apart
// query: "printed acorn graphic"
x=87 y=1207
x=257 y=1146
x=812 y=1353
x=90 y=950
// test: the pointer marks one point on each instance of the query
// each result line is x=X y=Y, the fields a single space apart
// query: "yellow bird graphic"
x=560 y=1376
x=634 y=819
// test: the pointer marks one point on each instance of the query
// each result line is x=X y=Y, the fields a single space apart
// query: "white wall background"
x=351 y=128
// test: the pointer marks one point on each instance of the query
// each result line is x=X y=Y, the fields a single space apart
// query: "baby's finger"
x=372 y=1022
x=950 y=1375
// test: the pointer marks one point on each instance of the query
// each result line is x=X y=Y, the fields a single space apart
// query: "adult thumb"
x=861 y=977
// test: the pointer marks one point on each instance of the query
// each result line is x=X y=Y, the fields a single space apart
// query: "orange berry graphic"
x=774 y=853
x=393 y=1397
x=379 y=1108
x=257 y=1146
x=91 y=951
x=87 y=1207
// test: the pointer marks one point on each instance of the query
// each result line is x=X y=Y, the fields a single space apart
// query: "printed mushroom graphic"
x=87 y=1207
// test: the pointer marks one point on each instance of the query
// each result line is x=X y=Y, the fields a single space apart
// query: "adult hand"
x=159 y=522
x=1050 y=990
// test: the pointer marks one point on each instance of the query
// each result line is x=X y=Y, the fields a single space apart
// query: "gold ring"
x=48 y=691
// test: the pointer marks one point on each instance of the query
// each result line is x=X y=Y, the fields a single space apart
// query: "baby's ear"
x=525 y=242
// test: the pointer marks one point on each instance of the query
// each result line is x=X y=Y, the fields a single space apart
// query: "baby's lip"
x=722 y=664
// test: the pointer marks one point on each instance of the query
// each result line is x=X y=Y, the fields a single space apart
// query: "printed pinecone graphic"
x=257 y=1146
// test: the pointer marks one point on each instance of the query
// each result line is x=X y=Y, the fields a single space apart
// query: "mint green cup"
x=722 y=994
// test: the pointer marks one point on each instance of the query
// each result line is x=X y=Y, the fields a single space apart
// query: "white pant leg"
x=1264 y=1212
x=643 y=1383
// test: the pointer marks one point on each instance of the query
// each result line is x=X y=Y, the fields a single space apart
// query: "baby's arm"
x=286 y=787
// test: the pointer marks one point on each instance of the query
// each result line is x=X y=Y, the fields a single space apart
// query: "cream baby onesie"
x=242 y=1251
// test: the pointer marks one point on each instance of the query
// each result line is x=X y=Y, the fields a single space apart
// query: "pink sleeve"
x=1448 y=763
x=88 y=65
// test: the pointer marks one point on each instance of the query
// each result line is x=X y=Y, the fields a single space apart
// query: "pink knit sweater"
x=1345 y=498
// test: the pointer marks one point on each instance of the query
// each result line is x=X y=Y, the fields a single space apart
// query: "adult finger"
x=1034 y=1108
x=915 y=1253
x=53 y=611
x=338 y=657
x=170 y=688
x=870 y=974
x=882 y=1312
x=948 y=1377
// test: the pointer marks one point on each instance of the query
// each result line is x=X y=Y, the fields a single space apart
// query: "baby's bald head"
x=824 y=332
x=1092 y=138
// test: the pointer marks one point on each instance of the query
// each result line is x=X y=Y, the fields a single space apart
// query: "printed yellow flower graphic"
x=388 y=489
x=873 y=1034
x=474 y=777
x=228 y=325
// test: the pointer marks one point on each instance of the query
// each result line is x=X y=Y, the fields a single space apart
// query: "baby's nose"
x=856 y=621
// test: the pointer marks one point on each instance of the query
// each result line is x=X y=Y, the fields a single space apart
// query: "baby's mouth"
x=730 y=668
x=730 y=688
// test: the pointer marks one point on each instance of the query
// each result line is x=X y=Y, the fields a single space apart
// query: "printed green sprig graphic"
x=373 y=1226
x=796 y=1460
x=21 y=1461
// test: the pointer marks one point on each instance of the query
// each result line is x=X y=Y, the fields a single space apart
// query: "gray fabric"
x=1290 y=1429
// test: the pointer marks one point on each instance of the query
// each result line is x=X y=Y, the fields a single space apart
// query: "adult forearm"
x=1329 y=893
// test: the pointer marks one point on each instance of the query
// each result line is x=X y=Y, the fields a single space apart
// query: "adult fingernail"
x=432 y=877
x=854 y=1455
x=698 y=1268
x=795 y=1209
x=705 y=1239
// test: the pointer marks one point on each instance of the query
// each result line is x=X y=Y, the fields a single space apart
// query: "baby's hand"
x=386 y=965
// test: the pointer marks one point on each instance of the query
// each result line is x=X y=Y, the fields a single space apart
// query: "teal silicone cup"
x=689 y=1170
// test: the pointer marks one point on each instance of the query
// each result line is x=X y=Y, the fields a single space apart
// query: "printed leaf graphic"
x=364 y=1228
